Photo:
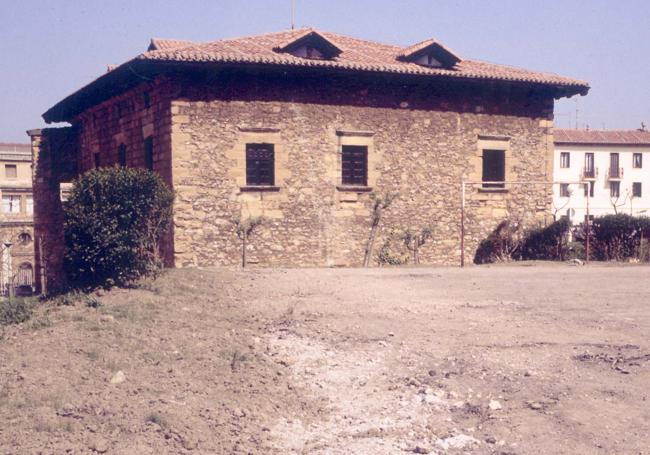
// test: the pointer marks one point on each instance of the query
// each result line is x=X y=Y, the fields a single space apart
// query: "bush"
x=500 y=245
x=14 y=311
x=618 y=237
x=546 y=243
x=114 y=220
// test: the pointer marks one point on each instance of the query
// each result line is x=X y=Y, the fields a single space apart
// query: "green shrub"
x=114 y=220
x=618 y=237
x=500 y=245
x=15 y=311
x=546 y=243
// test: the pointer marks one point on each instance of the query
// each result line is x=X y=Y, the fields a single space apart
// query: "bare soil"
x=526 y=359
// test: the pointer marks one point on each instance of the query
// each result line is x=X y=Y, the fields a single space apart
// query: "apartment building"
x=16 y=219
x=608 y=171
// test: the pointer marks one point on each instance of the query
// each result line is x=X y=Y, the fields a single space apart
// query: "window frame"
x=121 y=155
x=485 y=170
x=12 y=197
x=262 y=172
x=589 y=189
x=350 y=177
x=565 y=156
x=148 y=152
x=639 y=164
x=564 y=190
x=15 y=169
x=637 y=189
x=614 y=189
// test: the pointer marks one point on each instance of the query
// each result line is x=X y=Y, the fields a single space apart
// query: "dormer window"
x=310 y=44
x=429 y=60
x=430 y=53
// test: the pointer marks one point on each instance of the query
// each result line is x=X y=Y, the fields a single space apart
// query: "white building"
x=615 y=169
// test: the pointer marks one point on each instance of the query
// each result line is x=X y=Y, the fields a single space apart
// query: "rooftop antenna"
x=293 y=13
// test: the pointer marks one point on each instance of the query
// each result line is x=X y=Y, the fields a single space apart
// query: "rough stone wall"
x=423 y=141
x=55 y=153
x=128 y=119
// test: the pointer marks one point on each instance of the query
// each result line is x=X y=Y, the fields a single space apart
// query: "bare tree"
x=414 y=240
x=615 y=201
x=380 y=204
x=244 y=229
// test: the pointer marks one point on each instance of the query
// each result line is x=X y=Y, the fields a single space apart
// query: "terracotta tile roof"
x=409 y=51
x=161 y=43
x=602 y=137
x=357 y=54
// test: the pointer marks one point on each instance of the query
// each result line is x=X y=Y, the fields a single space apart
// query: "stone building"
x=305 y=128
x=16 y=219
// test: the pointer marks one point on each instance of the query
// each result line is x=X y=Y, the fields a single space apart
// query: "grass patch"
x=15 y=311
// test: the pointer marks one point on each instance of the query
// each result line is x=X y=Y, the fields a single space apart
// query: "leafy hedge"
x=546 y=243
x=114 y=219
x=619 y=237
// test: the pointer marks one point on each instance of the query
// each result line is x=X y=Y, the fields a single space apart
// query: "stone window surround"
x=490 y=142
x=256 y=135
x=360 y=138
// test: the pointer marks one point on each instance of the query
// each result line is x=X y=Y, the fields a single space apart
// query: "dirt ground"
x=525 y=359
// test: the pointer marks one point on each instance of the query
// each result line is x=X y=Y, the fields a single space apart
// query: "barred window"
x=260 y=164
x=354 y=165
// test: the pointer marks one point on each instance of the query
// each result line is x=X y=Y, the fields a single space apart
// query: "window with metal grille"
x=614 y=189
x=636 y=189
x=260 y=165
x=354 y=165
x=121 y=155
x=565 y=160
x=494 y=168
x=637 y=160
x=564 y=190
x=148 y=153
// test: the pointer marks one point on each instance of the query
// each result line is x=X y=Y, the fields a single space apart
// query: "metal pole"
x=462 y=225
x=587 y=225
x=293 y=13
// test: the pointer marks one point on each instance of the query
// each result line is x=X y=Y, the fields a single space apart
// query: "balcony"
x=615 y=173
x=589 y=173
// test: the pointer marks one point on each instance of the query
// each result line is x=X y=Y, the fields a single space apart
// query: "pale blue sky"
x=48 y=49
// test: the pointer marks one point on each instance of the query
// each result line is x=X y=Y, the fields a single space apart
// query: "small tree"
x=380 y=204
x=414 y=240
x=244 y=229
x=114 y=220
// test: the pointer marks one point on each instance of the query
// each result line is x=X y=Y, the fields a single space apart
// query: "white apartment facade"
x=605 y=171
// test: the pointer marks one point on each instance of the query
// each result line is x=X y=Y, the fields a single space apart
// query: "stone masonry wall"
x=55 y=152
x=128 y=119
x=423 y=141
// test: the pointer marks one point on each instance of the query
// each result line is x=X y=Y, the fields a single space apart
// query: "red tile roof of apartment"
x=602 y=137
x=355 y=55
